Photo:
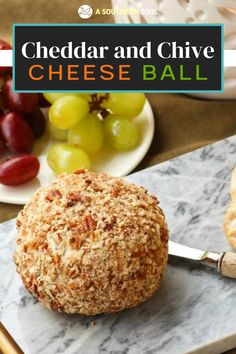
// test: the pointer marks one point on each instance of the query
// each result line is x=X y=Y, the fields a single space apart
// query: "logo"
x=85 y=11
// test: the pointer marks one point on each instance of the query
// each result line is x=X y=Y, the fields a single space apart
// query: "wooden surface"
x=7 y=343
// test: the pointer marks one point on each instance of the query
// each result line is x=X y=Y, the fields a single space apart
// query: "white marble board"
x=195 y=309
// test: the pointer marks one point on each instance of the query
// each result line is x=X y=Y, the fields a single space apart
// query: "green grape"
x=125 y=104
x=88 y=134
x=51 y=97
x=56 y=133
x=86 y=96
x=67 y=158
x=67 y=111
x=121 y=133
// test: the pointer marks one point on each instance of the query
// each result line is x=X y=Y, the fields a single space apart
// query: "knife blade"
x=178 y=250
x=224 y=262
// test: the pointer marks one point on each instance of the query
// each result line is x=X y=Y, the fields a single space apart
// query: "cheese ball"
x=90 y=243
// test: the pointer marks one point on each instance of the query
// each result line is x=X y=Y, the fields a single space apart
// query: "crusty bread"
x=233 y=186
x=230 y=215
x=90 y=243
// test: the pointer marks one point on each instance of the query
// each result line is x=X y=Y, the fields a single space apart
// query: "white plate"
x=109 y=161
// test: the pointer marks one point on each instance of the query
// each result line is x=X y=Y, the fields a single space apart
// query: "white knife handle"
x=228 y=265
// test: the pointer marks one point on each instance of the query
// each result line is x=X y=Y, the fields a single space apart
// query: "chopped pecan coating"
x=90 y=243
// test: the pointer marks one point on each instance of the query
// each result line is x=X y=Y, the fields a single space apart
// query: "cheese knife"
x=224 y=262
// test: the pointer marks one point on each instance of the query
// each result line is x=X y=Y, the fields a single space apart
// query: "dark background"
x=112 y=37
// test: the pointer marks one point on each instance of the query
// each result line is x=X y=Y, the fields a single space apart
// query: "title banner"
x=147 y=58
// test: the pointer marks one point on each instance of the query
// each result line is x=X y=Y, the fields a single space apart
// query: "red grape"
x=4 y=76
x=18 y=170
x=19 y=102
x=2 y=147
x=5 y=46
x=37 y=123
x=1 y=110
x=16 y=133
x=43 y=103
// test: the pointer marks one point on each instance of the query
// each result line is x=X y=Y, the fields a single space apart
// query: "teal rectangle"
x=221 y=25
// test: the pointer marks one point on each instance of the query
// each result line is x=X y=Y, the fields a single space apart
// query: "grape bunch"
x=83 y=123
x=21 y=121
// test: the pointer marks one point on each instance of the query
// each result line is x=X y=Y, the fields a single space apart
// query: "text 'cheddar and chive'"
x=89 y=72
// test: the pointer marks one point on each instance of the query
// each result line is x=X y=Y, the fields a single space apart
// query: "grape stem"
x=95 y=104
